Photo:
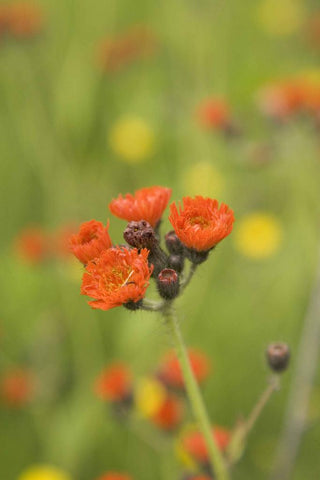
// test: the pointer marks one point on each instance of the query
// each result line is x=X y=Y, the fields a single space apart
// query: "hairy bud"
x=278 y=356
x=173 y=243
x=168 y=283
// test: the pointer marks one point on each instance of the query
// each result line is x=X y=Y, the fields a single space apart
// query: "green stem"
x=199 y=410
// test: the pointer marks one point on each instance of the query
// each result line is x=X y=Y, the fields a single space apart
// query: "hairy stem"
x=199 y=410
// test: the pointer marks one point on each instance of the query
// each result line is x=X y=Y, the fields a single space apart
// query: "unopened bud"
x=176 y=262
x=173 y=243
x=196 y=257
x=140 y=235
x=278 y=356
x=168 y=283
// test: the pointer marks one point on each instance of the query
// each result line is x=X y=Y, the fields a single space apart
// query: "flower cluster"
x=119 y=274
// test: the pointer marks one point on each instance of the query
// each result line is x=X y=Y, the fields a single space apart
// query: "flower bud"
x=140 y=235
x=195 y=256
x=168 y=283
x=173 y=243
x=176 y=262
x=278 y=356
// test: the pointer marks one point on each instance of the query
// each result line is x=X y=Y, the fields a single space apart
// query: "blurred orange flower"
x=194 y=443
x=146 y=204
x=114 y=383
x=115 y=476
x=170 y=372
x=93 y=238
x=120 y=51
x=170 y=413
x=25 y=19
x=214 y=113
x=33 y=245
x=119 y=276
x=16 y=387
x=200 y=223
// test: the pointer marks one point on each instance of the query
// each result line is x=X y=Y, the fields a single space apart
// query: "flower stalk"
x=216 y=459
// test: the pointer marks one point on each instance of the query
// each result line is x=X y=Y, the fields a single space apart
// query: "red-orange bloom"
x=146 y=204
x=117 y=277
x=214 y=113
x=115 y=476
x=200 y=224
x=25 y=19
x=170 y=371
x=16 y=388
x=194 y=443
x=32 y=245
x=92 y=239
x=170 y=413
x=114 y=383
x=118 y=52
x=282 y=99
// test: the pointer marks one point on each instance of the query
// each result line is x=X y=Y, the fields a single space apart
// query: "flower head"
x=214 y=113
x=193 y=443
x=114 y=383
x=25 y=19
x=92 y=239
x=201 y=223
x=169 y=415
x=114 y=476
x=117 y=277
x=170 y=371
x=146 y=204
x=44 y=472
x=259 y=235
x=32 y=245
x=16 y=387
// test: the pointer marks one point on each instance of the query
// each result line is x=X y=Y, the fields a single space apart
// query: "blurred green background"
x=58 y=167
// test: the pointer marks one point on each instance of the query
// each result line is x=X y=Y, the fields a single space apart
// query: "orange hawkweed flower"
x=3 y=19
x=170 y=413
x=24 y=19
x=32 y=245
x=146 y=204
x=92 y=239
x=194 y=443
x=119 y=276
x=282 y=99
x=16 y=387
x=118 y=52
x=115 y=476
x=170 y=371
x=201 y=224
x=214 y=113
x=114 y=383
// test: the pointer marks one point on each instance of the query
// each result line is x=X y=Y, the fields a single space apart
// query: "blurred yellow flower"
x=149 y=395
x=281 y=18
x=258 y=235
x=132 y=139
x=203 y=179
x=44 y=472
x=180 y=452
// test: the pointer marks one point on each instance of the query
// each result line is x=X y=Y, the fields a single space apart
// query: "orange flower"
x=118 y=52
x=169 y=415
x=214 y=113
x=200 y=224
x=32 y=245
x=114 y=476
x=16 y=387
x=3 y=19
x=146 y=204
x=282 y=99
x=92 y=239
x=170 y=371
x=119 y=276
x=194 y=443
x=24 y=19
x=114 y=383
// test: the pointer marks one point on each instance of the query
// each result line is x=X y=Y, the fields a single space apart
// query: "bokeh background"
x=83 y=119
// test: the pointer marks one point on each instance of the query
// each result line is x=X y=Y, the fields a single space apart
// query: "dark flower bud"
x=168 y=283
x=176 y=262
x=278 y=356
x=173 y=243
x=140 y=235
